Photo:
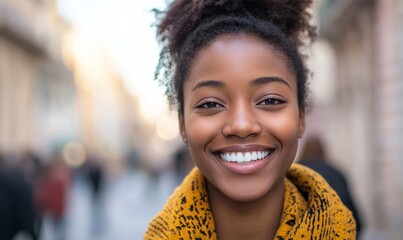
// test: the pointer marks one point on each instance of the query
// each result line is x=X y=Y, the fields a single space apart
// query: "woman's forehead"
x=238 y=55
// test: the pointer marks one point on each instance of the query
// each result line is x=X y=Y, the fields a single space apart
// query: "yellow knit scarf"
x=311 y=210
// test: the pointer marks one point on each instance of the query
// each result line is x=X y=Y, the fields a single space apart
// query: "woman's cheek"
x=201 y=128
x=284 y=127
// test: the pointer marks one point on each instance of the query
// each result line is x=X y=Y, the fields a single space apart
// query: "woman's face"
x=241 y=116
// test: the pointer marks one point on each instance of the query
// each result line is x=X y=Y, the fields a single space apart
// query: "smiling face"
x=241 y=116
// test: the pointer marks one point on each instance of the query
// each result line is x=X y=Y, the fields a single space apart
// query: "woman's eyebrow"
x=209 y=83
x=265 y=80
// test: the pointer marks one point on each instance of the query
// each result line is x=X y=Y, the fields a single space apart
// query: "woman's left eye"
x=272 y=101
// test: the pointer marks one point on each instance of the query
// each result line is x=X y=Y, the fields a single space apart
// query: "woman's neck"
x=258 y=219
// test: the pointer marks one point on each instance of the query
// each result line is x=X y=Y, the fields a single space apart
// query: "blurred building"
x=108 y=113
x=59 y=87
x=36 y=89
x=361 y=105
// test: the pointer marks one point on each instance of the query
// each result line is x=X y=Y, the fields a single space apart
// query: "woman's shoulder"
x=186 y=212
x=320 y=201
x=313 y=187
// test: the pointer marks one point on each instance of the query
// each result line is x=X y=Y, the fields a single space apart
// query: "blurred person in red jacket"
x=51 y=194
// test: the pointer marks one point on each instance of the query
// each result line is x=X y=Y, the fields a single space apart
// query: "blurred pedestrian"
x=17 y=211
x=31 y=165
x=96 y=179
x=51 y=191
x=313 y=155
x=133 y=159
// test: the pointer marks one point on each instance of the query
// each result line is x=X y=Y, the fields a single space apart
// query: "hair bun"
x=183 y=16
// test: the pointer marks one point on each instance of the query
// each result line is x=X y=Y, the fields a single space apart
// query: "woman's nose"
x=241 y=122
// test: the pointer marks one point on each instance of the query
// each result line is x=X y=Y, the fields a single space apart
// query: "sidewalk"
x=128 y=204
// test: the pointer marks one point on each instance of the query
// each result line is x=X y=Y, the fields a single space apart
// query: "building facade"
x=36 y=89
x=364 y=115
x=109 y=121
x=57 y=87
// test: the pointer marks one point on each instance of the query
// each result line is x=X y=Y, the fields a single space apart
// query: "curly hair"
x=190 y=25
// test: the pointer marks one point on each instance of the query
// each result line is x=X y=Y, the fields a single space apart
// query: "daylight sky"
x=123 y=28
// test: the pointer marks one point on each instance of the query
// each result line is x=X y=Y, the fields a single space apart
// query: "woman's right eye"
x=209 y=104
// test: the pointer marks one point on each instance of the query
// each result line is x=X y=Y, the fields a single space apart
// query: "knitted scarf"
x=311 y=210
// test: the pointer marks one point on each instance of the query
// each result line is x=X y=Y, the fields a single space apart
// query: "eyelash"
x=274 y=100
x=204 y=104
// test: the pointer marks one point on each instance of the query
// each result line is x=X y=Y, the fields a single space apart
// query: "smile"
x=244 y=157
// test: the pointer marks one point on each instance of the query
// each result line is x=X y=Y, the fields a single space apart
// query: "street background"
x=86 y=132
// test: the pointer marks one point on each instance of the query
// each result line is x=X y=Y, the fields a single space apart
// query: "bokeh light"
x=74 y=154
x=167 y=127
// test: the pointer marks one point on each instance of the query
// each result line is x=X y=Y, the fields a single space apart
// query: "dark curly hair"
x=190 y=25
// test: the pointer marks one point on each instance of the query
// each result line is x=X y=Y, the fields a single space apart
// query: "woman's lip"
x=243 y=148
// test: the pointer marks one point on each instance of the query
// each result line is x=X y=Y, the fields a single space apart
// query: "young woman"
x=235 y=74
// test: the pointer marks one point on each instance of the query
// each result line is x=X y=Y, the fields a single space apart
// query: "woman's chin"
x=246 y=196
x=246 y=192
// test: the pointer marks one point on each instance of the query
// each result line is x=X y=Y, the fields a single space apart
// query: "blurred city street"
x=128 y=203
x=87 y=139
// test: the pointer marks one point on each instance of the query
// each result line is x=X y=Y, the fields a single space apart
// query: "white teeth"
x=254 y=156
x=241 y=157
x=248 y=157
x=233 y=157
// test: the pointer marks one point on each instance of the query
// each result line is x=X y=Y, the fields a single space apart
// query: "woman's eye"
x=209 y=105
x=272 y=101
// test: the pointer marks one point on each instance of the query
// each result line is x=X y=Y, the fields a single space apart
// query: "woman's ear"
x=301 y=129
x=182 y=128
